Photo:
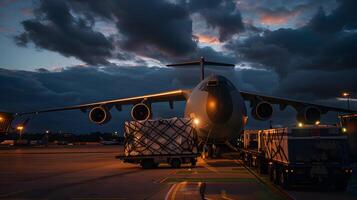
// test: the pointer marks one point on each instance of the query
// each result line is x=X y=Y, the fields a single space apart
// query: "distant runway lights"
x=300 y=124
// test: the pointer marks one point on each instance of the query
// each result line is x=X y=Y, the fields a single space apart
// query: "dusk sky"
x=59 y=53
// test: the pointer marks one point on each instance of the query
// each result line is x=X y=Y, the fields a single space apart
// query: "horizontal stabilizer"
x=219 y=64
x=184 y=64
x=202 y=62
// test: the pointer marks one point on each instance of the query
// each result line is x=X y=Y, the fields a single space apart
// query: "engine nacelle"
x=99 y=115
x=309 y=115
x=262 y=111
x=140 y=112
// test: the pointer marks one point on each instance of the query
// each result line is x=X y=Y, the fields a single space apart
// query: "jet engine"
x=309 y=115
x=262 y=111
x=99 y=115
x=140 y=111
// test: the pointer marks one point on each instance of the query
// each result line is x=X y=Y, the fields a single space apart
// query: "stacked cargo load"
x=160 y=140
x=286 y=144
x=296 y=154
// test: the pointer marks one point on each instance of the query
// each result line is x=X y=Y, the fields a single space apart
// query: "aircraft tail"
x=202 y=62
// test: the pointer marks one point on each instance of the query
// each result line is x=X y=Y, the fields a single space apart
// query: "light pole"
x=347 y=95
x=20 y=128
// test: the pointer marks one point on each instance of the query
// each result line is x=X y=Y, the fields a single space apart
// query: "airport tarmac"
x=91 y=172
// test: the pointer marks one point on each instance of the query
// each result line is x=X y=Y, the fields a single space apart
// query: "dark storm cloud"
x=163 y=25
x=323 y=46
x=156 y=29
x=319 y=84
x=220 y=14
x=146 y=26
x=344 y=17
x=56 y=29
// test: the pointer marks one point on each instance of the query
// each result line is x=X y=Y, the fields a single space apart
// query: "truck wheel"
x=156 y=165
x=260 y=167
x=175 y=163
x=341 y=185
x=147 y=163
x=284 y=180
x=276 y=175
x=271 y=174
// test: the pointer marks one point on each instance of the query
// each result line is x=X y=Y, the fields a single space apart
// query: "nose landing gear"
x=210 y=151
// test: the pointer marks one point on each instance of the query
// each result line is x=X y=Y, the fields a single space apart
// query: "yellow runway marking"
x=225 y=196
x=209 y=167
x=171 y=194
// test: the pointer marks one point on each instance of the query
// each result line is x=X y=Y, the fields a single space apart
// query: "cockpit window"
x=219 y=84
x=212 y=83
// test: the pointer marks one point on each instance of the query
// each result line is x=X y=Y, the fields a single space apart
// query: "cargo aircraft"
x=215 y=104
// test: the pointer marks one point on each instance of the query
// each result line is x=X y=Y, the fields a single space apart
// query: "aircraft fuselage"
x=217 y=108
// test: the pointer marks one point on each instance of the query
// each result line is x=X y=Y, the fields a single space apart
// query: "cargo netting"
x=274 y=144
x=175 y=136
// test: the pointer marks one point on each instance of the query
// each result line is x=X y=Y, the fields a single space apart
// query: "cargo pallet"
x=151 y=142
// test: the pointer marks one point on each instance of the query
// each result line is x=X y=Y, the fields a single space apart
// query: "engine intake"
x=140 y=112
x=309 y=115
x=262 y=111
x=99 y=115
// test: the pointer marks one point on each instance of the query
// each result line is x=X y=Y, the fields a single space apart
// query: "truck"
x=348 y=123
x=296 y=155
x=153 y=142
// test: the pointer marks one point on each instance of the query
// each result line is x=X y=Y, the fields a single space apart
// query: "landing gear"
x=205 y=152
x=210 y=151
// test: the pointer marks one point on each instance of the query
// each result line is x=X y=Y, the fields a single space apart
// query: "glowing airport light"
x=345 y=94
x=300 y=124
x=344 y=129
x=20 y=128
x=1 y=119
x=317 y=122
x=47 y=131
x=196 y=121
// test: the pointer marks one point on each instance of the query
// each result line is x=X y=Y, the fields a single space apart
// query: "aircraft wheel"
x=341 y=184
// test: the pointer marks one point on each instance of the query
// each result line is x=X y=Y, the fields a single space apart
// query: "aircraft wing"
x=169 y=96
x=283 y=102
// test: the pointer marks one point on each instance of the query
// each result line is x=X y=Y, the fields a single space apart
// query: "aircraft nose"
x=219 y=106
